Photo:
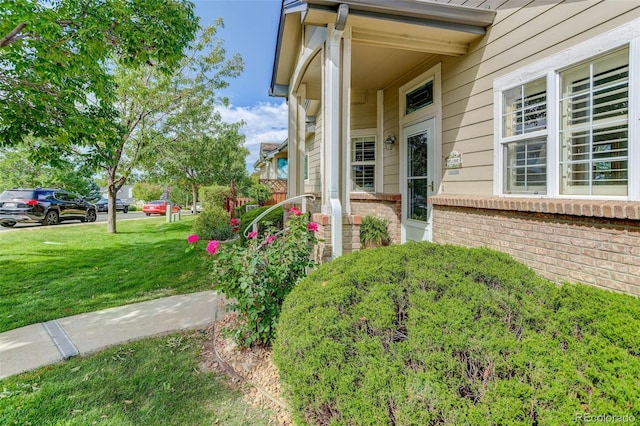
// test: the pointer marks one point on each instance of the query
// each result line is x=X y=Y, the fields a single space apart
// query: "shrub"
x=433 y=334
x=147 y=191
x=257 y=278
x=132 y=208
x=213 y=224
x=213 y=196
x=261 y=193
x=274 y=219
x=374 y=232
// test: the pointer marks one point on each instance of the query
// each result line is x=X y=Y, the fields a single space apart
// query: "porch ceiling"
x=403 y=32
x=372 y=67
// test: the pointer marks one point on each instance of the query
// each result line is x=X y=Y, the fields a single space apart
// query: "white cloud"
x=264 y=122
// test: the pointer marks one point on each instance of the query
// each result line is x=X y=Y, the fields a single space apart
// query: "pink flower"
x=270 y=239
x=235 y=222
x=251 y=235
x=212 y=246
x=312 y=227
x=193 y=238
x=294 y=211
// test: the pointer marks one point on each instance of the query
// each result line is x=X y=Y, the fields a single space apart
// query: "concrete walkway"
x=33 y=346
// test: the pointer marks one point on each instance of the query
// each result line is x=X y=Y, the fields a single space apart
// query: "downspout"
x=333 y=84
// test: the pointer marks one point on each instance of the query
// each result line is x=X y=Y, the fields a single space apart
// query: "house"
x=125 y=194
x=272 y=167
x=507 y=124
x=272 y=162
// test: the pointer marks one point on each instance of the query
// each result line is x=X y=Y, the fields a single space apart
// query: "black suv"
x=44 y=205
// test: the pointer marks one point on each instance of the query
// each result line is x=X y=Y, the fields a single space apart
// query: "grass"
x=149 y=382
x=54 y=272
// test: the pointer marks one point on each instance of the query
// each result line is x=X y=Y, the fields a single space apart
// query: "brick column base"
x=350 y=235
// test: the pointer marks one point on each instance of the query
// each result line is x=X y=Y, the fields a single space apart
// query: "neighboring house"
x=273 y=169
x=125 y=194
x=273 y=161
x=507 y=124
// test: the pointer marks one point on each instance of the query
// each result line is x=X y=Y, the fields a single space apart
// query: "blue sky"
x=250 y=29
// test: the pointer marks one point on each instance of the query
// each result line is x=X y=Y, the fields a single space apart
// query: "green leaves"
x=433 y=334
x=257 y=278
x=57 y=59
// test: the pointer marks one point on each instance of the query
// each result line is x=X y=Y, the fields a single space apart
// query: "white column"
x=300 y=137
x=332 y=120
x=345 y=167
x=293 y=166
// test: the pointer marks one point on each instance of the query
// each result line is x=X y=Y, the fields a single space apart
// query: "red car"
x=159 y=207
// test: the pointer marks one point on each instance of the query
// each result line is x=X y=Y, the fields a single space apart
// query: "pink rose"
x=270 y=239
x=294 y=211
x=193 y=238
x=251 y=235
x=212 y=246
x=312 y=227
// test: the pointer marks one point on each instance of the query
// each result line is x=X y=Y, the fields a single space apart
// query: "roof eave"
x=457 y=18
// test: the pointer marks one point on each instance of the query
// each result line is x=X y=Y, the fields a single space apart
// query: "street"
x=102 y=217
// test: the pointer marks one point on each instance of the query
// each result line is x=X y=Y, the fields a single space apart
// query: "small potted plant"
x=374 y=232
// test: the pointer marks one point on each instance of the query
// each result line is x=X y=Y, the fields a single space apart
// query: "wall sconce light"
x=389 y=142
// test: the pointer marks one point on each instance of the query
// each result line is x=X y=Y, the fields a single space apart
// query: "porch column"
x=301 y=136
x=332 y=102
x=293 y=166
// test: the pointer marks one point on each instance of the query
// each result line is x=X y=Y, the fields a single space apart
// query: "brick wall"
x=350 y=235
x=595 y=243
x=387 y=206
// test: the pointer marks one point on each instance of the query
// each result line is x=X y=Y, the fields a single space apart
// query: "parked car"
x=122 y=206
x=48 y=206
x=198 y=208
x=159 y=207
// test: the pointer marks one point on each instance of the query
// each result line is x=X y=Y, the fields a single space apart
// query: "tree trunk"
x=112 y=190
x=194 y=194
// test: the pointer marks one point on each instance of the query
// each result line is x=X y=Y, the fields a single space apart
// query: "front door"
x=418 y=176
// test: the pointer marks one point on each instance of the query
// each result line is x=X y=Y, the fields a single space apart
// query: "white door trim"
x=433 y=111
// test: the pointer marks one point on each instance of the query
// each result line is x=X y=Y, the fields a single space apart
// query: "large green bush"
x=431 y=334
x=213 y=224
x=213 y=196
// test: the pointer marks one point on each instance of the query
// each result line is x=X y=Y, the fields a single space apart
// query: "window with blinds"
x=594 y=126
x=363 y=163
x=524 y=125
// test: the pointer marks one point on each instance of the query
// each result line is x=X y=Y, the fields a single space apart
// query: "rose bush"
x=257 y=277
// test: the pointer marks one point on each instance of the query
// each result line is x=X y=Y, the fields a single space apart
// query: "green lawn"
x=149 y=382
x=57 y=271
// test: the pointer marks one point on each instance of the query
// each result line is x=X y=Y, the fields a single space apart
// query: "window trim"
x=358 y=134
x=549 y=68
x=524 y=136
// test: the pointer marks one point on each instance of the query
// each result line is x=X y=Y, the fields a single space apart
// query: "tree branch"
x=8 y=39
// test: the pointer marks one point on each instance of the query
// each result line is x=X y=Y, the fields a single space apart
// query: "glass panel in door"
x=417 y=176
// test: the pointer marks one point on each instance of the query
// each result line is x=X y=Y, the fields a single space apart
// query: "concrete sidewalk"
x=33 y=346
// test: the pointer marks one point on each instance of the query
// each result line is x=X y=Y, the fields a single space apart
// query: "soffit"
x=403 y=32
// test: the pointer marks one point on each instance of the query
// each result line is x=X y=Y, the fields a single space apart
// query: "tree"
x=147 y=191
x=57 y=59
x=203 y=150
x=150 y=105
x=19 y=168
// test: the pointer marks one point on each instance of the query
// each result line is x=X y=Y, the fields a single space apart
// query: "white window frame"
x=358 y=134
x=549 y=68
x=525 y=136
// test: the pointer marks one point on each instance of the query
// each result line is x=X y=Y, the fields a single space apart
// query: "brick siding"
x=592 y=242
